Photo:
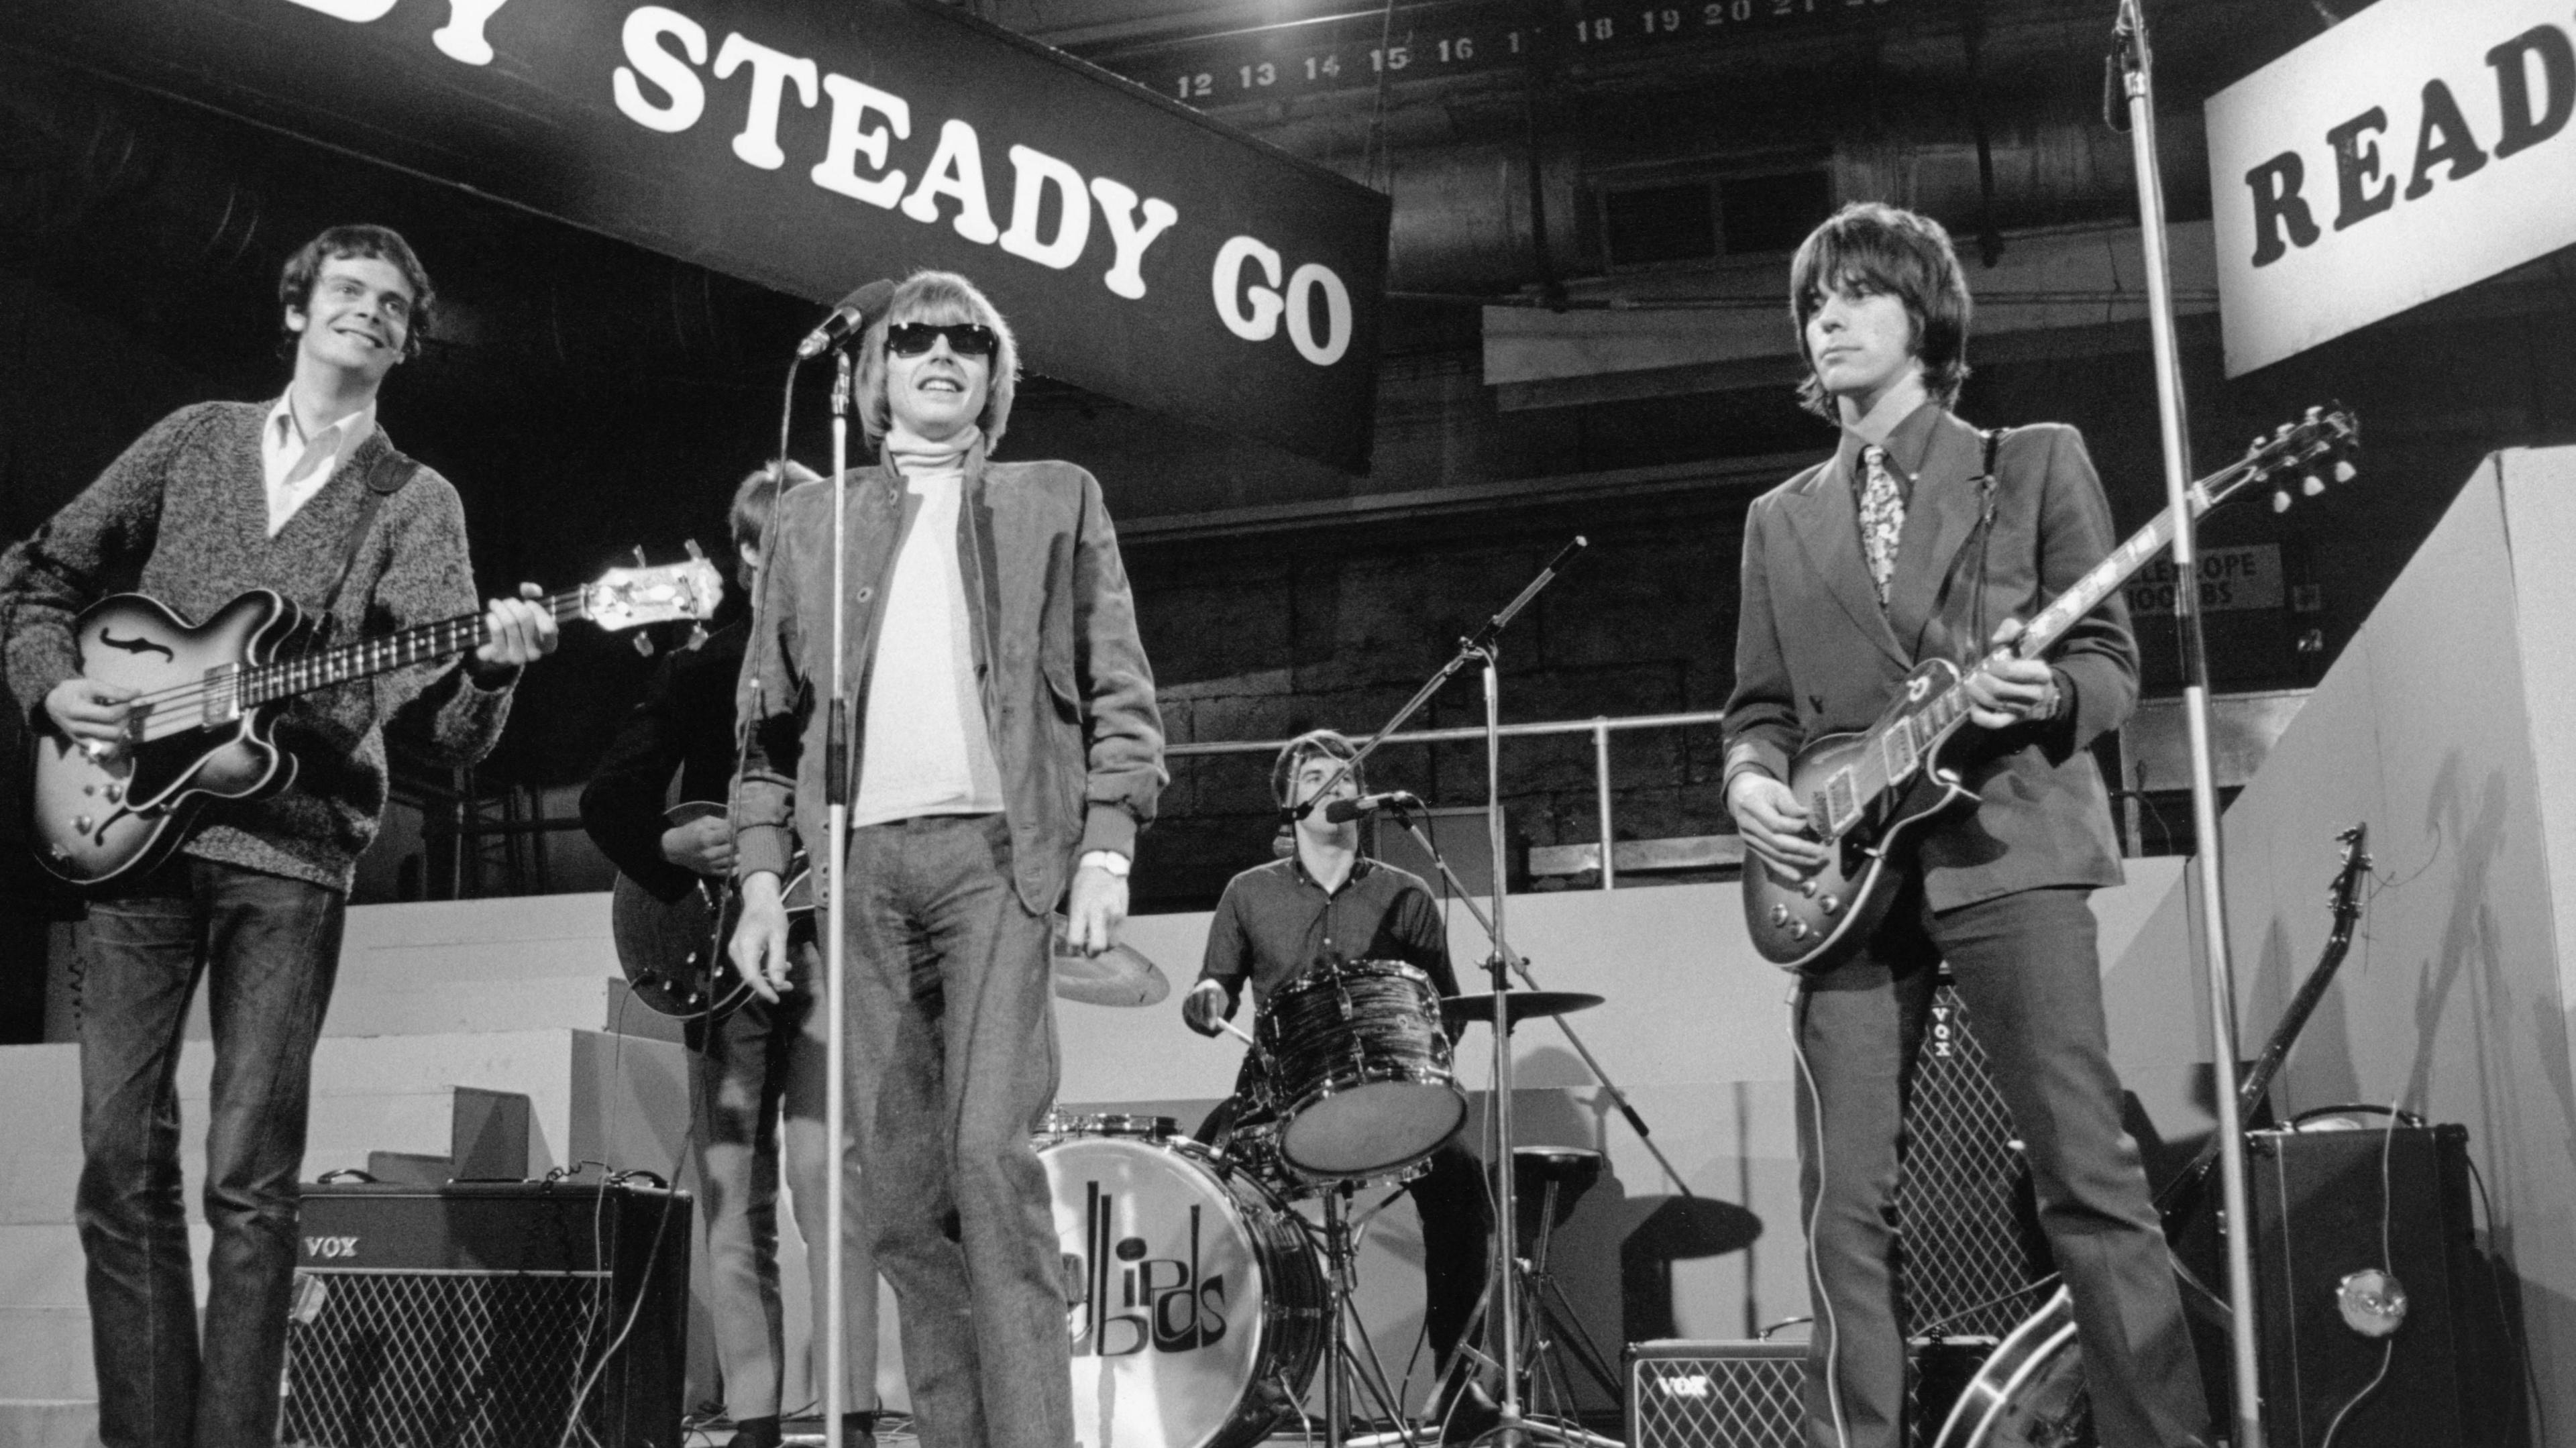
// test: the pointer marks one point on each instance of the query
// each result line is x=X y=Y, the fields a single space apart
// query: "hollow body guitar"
x=208 y=696
x=672 y=952
x=2029 y=1393
x=1870 y=795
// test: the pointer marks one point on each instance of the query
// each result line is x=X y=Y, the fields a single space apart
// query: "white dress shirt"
x=295 y=466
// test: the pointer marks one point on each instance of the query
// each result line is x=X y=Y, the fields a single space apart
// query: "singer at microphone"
x=1342 y=811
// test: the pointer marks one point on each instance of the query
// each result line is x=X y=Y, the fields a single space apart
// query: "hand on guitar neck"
x=2005 y=690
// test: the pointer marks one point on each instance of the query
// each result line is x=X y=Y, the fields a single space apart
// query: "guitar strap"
x=1987 y=485
x=386 y=472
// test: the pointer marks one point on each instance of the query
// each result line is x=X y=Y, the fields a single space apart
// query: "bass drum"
x=1196 y=1305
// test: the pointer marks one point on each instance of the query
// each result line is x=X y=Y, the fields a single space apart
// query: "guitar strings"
x=169 y=706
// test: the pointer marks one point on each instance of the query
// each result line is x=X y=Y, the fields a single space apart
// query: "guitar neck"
x=421 y=644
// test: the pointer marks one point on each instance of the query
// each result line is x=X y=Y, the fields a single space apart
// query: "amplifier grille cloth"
x=459 y=1360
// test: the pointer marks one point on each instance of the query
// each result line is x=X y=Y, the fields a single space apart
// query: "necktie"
x=324 y=446
x=1882 y=518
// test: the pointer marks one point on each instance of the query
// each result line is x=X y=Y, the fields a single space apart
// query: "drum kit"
x=1201 y=1301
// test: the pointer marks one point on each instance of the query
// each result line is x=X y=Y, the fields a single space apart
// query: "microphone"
x=853 y=315
x=1342 y=811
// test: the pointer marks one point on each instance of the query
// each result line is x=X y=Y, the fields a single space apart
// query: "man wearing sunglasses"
x=1005 y=751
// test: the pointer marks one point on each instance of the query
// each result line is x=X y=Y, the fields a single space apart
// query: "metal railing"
x=1600 y=727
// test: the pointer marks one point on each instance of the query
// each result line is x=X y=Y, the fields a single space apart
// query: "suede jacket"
x=1068 y=697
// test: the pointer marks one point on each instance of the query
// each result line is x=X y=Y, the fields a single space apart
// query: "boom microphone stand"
x=2135 y=67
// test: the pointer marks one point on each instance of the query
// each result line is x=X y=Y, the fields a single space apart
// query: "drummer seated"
x=1326 y=902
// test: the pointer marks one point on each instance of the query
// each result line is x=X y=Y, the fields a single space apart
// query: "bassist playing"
x=305 y=497
x=1920 y=539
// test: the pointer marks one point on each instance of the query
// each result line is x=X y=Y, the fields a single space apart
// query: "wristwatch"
x=1110 y=860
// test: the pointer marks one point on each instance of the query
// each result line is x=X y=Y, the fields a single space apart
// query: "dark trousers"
x=269 y=949
x=749 y=1066
x=1457 y=1222
x=952 y=1041
x=2029 y=969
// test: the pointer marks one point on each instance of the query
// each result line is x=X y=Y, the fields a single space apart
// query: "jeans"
x=750 y=1064
x=2029 y=970
x=952 y=1042
x=269 y=949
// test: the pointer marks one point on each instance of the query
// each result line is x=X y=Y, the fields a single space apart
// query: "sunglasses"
x=966 y=339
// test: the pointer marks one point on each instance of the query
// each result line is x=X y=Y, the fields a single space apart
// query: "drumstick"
x=1236 y=1031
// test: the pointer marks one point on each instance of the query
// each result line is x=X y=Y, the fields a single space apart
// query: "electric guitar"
x=672 y=952
x=207 y=697
x=1868 y=795
x=2029 y=1392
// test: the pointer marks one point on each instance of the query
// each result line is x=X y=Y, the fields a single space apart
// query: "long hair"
x=1871 y=248
x=939 y=298
x=295 y=283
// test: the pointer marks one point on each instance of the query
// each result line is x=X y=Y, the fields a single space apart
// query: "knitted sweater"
x=183 y=516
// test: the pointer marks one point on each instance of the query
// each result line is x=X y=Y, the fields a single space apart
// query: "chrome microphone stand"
x=2135 y=64
x=836 y=855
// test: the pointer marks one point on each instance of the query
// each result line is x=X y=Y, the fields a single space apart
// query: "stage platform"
x=2449 y=725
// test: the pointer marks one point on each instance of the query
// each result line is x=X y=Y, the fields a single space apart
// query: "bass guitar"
x=2029 y=1393
x=207 y=697
x=673 y=951
x=1870 y=795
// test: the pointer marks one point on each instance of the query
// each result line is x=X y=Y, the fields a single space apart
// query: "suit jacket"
x=1815 y=653
x=1068 y=697
x=683 y=724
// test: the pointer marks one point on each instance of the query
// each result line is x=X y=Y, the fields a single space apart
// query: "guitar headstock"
x=624 y=598
x=2311 y=450
x=2356 y=868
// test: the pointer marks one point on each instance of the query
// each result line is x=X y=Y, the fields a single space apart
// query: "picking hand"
x=702 y=846
x=1774 y=824
x=759 y=947
x=2011 y=690
x=89 y=711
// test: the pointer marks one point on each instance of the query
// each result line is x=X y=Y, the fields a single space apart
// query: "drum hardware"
x=1339 y=1244
x=1566 y=1173
x=1357 y=1069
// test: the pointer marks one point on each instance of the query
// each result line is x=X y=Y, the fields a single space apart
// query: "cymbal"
x=1118 y=976
x=1469 y=1010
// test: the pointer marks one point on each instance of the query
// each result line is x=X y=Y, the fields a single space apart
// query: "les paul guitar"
x=207 y=697
x=1869 y=795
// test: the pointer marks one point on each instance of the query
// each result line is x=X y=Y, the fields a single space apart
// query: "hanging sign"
x=2417 y=147
x=1141 y=250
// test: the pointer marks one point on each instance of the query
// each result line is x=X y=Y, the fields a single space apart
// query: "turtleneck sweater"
x=928 y=748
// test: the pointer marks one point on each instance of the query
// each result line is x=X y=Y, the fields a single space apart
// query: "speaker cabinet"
x=1746 y=1394
x=1969 y=1243
x=488 y=1315
x=2336 y=1214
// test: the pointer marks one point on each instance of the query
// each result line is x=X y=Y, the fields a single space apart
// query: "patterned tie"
x=1882 y=519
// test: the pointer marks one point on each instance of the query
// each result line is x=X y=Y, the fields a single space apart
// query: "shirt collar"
x=282 y=432
x=1361 y=865
x=1909 y=446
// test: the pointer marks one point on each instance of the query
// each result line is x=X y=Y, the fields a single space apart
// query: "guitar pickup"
x=1897 y=750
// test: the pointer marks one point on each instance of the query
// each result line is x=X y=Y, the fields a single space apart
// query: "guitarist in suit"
x=1921 y=537
x=306 y=496
x=757 y=1058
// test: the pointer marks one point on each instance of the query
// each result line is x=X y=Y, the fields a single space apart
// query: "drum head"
x=1166 y=1293
x=1376 y=1127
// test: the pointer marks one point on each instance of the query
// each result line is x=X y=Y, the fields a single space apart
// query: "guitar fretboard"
x=417 y=645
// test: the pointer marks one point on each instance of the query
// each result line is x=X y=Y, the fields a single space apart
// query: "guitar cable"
x=1827 y=1319
x=2387 y=1258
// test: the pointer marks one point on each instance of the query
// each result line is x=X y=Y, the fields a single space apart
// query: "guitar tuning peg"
x=2315 y=413
x=2312 y=485
x=2344 y=471
x=2280 y=500
x=2283 y=430
x=695 y=552
x=639 y=555
x=644 y=645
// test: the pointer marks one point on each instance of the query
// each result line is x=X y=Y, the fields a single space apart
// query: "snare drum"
x=1358 y=1069
x=1196 y=1303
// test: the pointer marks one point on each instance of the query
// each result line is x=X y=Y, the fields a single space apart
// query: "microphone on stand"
x=851 y=317
x=1342 y=811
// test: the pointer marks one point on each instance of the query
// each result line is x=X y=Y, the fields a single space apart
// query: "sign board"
x=2417 y=147
x=1141 y=250
x=2230 y=578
